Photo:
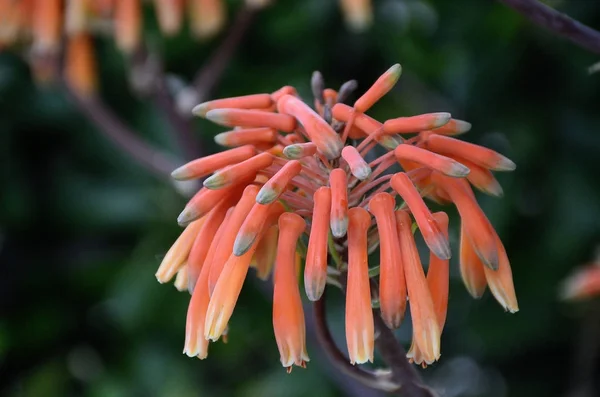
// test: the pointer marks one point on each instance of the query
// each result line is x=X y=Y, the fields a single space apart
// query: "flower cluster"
x=47 y=25
x=302 y=190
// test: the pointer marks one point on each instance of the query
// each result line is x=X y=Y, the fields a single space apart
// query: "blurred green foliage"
x=83 y=227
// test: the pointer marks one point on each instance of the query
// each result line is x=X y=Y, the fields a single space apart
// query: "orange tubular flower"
x=360 y=331
x=227 y=240
x=315 y=271
x=431 y=160
x=426 y=329
x=238 y=172
x=207 y=17
x=339 y=203
x=247 y=136
x=209 y=164
x=80 y=65
x=256 y=101
x=392 y=284
x=584 y=283
x=170 y=15
x=295 y=168
x=471 y=267
x=288 y=315
x=435 y=239
x=437 y=282
x=266 y=251
x=252 y=118
x=128 y=24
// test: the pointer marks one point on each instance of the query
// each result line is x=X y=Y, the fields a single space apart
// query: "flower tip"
x=217 y=116
x=440 y=119
x=242 y=244
x=394 y=72
x=458 y=170
x=201 y=110
x=362 y=172
x=292 y=152
x=505 y=164
x=221 y=139
x=339 y=227
x=266 y=195
x=188 y=215
x=214 y=182
x=495 y=189
x=180 y=174
x=440 y=247
x=462 y=126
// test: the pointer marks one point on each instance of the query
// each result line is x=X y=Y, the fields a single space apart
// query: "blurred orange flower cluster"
x=297 y=193
x=46 y=26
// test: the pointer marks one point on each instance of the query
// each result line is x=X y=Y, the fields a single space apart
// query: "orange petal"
x=426 y=330
x=479 y=155
x=299 y=150
x=46 y=25
x=501 y=281
x=227 y=240
x=209 y=164
x=435 y=239
x=583 y=283
x=226 y=293
x=207 y=17
x=403 y=125
x=254 y=101
x=238 y=172
x=288 y=315
x=360 y=331
x=170 y=15
x=367 y=124
x=207 y=234
x=357 y=13
x=477 y=227
x=247 y=136
x=205 y=200
x=482 y=178
x=321 y=134
x=128 y=24
x=278 y=183
x=381 y=87
x=254 y=223
x=339 y=202
x=178 y=253
x=195 y=342
x=80 y=65
x=266 y=251
x=315 y=271
x=252 y=118
x=392 y=285
x=431 y=160
x=181 y=280
x=358 y=166
x=471 y=267
x=453 y=127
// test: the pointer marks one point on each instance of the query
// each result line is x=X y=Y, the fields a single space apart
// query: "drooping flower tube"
x=292 y=193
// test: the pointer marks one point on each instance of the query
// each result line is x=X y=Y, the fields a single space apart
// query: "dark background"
x=83 y=227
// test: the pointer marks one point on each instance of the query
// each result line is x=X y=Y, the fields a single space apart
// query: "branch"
x=210 y=75
x=557 y=22
x=371 y=379
x=148 y=78
x=392 y=352
x=154 y=160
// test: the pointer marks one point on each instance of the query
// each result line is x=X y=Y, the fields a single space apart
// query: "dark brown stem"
x=392 y=352
x=210 y=75
x=371 y=379
x=154 y=160
x=149 y=79
x=557 y=22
